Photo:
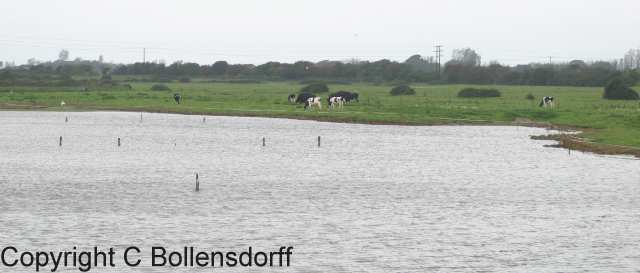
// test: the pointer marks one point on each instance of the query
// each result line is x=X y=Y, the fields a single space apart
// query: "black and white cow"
x=292 y=98
x=303 y=97
x=335 y=102
x=346 y=96
x=177 y=97
x=354 y=96
x=313 y=101
x=546 y=102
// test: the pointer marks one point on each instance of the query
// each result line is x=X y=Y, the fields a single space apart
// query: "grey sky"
x=256 y=31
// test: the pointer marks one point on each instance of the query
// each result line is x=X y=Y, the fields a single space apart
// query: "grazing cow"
x=292 y=98
x=313 y=101
x=177 y=97
x=346 y=96
x=335 y=101
x=546 y=102
x=303 y=97
x=355 y=96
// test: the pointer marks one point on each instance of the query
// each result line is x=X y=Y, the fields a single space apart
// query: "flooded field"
x=369 y=199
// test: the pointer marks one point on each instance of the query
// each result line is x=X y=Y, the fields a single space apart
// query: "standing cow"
x=546 y=102
x=311 y=102
x=346 y=96
x=303 y=97
x=336 y=102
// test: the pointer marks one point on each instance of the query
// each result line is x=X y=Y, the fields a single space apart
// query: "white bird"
x=62 y=103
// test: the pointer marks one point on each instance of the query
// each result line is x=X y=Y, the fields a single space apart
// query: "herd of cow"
x=335 y=100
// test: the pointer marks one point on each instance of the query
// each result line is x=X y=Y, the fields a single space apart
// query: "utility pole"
x=550 y=59
x=438 y=52
x=144 y=55
x=638 y=57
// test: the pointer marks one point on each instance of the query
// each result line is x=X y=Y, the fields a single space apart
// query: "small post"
x=204 y=119
x=118 y=142
x=140 y=116
x=197 y=182
x=66 y=119
x=264 y=142
x=318 y=141
x=60 y=143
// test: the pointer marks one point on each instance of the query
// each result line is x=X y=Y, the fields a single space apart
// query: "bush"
x=185 y=80
x=530 y=97
x=315 y=88
x=617 y=89
x=160 y=87
x=478 y=93
x=402 y=90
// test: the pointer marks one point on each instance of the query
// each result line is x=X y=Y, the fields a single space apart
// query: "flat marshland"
x=603 y=122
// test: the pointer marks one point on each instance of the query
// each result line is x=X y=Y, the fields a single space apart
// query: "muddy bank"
x=572 y=142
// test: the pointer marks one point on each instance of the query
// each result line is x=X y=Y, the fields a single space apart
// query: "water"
x=370 y=199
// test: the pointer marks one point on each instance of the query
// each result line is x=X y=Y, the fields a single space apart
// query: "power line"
x=438 y=52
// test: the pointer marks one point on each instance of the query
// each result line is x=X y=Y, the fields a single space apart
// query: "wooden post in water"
x=264 y=142
x=60 y=143
x=118 y=142
x=66 y=119
x=204 y=119
x=318 y=141
x=140 y=116
x=197 y=182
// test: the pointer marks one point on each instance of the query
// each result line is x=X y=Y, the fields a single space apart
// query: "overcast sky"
x=256 y=31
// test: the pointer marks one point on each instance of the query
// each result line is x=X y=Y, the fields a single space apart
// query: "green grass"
x=610 y=122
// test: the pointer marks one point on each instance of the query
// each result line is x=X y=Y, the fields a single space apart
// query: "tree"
x=63 y=55
x=219 y=68
x=418 y=63
x=106 y=74
x=269 y=70
x=237 y=70
x=32 y=62
x=466 y=57
x=577 y=64
x=631 y=60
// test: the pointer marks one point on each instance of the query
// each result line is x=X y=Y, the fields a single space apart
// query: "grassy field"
x=602 y=121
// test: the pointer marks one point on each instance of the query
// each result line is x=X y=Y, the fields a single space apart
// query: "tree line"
x=464 y=68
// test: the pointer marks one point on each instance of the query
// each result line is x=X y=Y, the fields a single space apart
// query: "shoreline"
x=565 y=139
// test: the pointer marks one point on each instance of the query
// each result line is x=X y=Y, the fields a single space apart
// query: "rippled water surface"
x=370 y=199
